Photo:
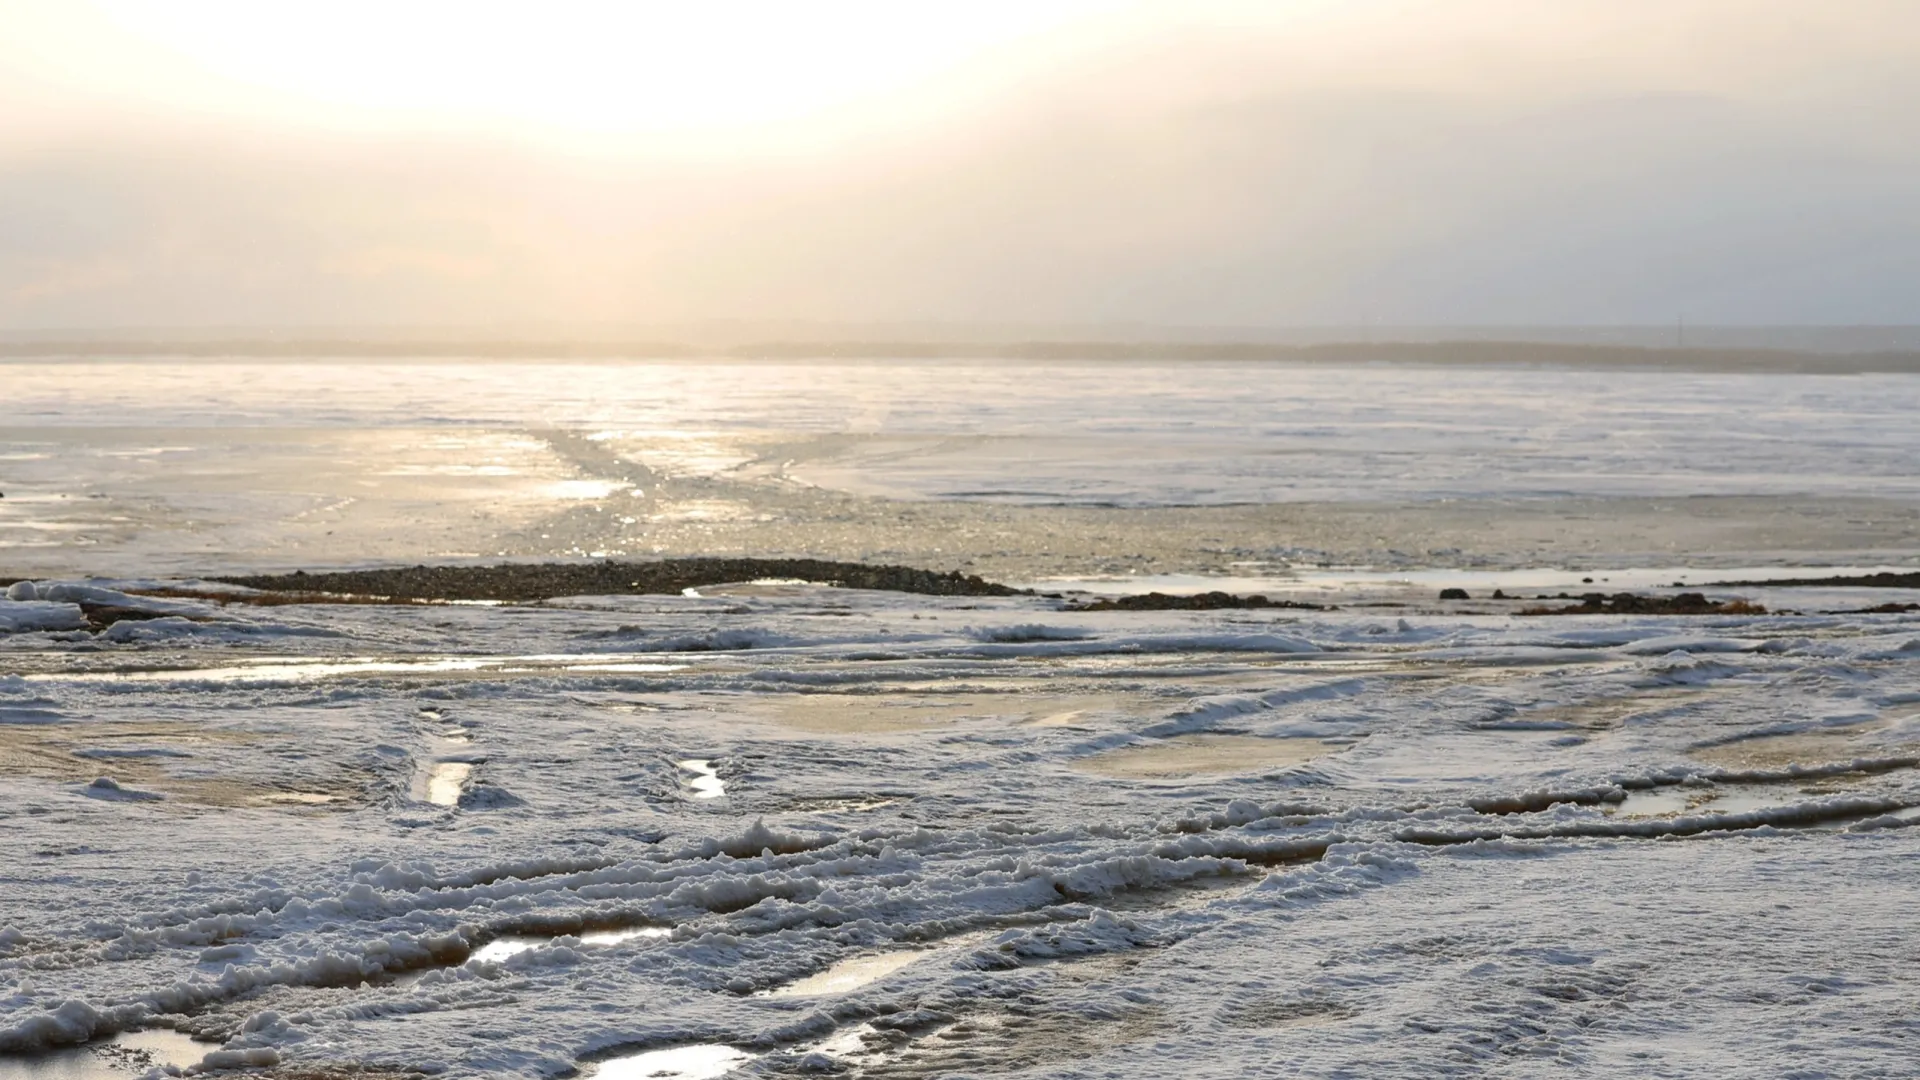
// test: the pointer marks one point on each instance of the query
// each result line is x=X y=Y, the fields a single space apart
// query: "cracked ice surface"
x=963 y=837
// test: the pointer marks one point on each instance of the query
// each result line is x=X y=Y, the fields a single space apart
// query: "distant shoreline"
x=1443 y=353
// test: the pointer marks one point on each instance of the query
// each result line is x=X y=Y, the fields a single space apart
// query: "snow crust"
x=1461 y=885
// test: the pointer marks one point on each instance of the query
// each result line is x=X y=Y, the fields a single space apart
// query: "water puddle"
x=1740 y=801
x=1607 y=713
x=828 y=804
x=507 y=945
x=705 y=782
x=1718 y=799
x=446 y=780
x=760 y=587
x=850 y=974
x=300 y=798
x=705 y=1061
x=1203 y=755
x=907 y=712
x=849 y=1043
x=1654 y=802
x=127 y=1054
x=1819 y=747
x=293 y=671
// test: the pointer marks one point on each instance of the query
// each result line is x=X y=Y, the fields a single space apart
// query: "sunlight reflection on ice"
x=702 y=1062
x=305 y=670
x=513 y=944
x=706 y=783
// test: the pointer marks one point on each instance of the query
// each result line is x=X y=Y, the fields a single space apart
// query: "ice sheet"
x=172 y=467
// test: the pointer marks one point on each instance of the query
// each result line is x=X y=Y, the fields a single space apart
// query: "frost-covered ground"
x=1378 y=841
x=780 y=829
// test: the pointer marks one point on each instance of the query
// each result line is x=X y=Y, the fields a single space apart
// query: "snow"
x=1514 y=845
x=30 y=615
x=777 y=828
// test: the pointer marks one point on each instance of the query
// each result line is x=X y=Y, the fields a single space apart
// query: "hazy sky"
x=1285 y=162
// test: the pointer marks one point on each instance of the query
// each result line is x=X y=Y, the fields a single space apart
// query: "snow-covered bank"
x=1612 y=844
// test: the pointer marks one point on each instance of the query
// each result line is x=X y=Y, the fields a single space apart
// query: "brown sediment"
x=101 y=616
x=268 y=599
x=1877 y=609
x=541 y=581
x=1689 y=603
x=1208 y=601
x=1884 y=580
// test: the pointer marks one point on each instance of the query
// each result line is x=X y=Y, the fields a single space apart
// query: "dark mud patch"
x=1688 y=603
x=1209 y=601
x=541 y=581
x=1907 y=580
x=270 y=599
x=101 y=616
x=1877 y=609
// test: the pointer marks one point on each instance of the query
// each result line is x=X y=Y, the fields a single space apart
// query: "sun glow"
x=583 y=67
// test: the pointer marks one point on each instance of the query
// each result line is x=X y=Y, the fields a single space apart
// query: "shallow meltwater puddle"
x=446 y=780
x=850 y=974
x=1203 y=755
x=1718 y=799
x=127 y=1054
x=705 y=782
x=904 y=713
x=1657 y=802
x=1794 y=748
x=1610 y=712
x=300 y=798
x=501 y=948
x=701 y=1062
x=281 y=671
x=763 y=587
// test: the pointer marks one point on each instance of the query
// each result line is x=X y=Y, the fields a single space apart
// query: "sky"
x=1287 y=162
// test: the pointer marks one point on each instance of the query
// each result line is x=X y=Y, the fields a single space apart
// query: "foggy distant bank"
x=745 y=336
x=1458 y=352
